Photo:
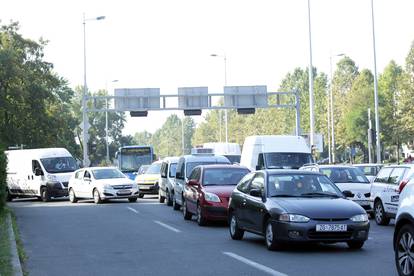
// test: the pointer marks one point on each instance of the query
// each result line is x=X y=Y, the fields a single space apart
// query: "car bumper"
x=56 y=189
x=306 y=232
x=114 y=194
x=215 y=212
x=148 y=189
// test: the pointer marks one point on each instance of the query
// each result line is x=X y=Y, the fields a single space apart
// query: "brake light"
x=402 y=185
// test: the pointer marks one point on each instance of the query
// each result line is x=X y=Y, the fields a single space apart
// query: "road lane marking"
x=261 y=267
x=167 y=226
x=133 y=210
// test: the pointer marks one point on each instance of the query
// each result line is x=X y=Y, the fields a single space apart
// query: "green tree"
x=390 y=85
x=97 y=122
x=167 y=140
x=34 y=101
x=142 y=138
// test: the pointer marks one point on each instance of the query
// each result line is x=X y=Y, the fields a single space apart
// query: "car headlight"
x=107 y=186
x=293 y=218
x=211 y=197
x=360 y=218
x=52 y=177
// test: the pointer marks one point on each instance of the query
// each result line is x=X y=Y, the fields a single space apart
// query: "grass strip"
x=19 y=244
x=6 y=267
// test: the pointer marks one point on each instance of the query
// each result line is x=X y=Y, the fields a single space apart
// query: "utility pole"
x=369 y=136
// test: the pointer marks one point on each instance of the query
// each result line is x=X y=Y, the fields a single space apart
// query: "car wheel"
x=9 y=197
x=141 y=195
x=187 y=215
x=235 y=232
x=270 y=237
x=96 y=197
x=355 y=244
x=44 y=194
x=380 y=216
x=72 y=196
x=169 y=200
x=404 y=250
x=161 y=198
x=132 y=199
x=201 y=220
x=175 y=205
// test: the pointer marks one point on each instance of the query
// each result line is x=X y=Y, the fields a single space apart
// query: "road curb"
x=15 y=261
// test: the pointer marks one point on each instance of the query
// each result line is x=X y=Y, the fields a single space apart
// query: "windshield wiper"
x=319 y=194
x=284 y=195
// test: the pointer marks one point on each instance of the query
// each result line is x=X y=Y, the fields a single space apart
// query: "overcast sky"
x=167 y=43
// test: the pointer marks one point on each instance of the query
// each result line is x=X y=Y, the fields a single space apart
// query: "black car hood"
x=323 y=208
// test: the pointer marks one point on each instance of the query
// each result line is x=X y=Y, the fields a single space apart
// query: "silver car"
x=166 y=190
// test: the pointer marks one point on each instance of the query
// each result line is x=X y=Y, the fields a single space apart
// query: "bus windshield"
x=132 y=158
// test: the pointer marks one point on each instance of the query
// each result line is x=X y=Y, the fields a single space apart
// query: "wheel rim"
x=378 y=212
x=233 y=224
x=71 y=195
x=269 y=234
x=405 y=253
x=96 y=196
x=198 y=213
x=184 y=208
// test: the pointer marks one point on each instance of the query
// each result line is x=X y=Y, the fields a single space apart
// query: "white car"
x=168 y=170
x=385 y=191
x=350 y=180
x=370 y=170
x=101 y=183
x=404 y=231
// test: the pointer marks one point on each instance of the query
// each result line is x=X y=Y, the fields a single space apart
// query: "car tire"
x=201 y=220
x=97 y=197
x=404 y=248
x=44 y=194
x=380 y=216
x=72 y=196
x=161 y=198
x=187 y=215
x=9 y=197
x=175 y=205
x=169 y=200
x=141 y=195
x=270 y=238
x=236 y=233
x=132 y=199
x=355 y=244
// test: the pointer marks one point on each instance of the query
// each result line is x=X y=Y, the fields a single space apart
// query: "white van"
x=275 y=152
x=42 y=173
x=229 y=150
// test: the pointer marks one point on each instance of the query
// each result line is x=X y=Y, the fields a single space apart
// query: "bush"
x=3 y=184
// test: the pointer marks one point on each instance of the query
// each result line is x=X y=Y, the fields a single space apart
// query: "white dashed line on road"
x=167 y=226
x=261 y=267
x=133 y=210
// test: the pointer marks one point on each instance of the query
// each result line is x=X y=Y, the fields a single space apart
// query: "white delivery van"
x=229 y=150
x=42 y=173
x=275 y=152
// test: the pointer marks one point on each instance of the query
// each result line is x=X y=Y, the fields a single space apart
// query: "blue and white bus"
x=130 y=158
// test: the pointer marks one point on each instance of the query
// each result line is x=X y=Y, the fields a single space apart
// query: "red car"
x=208 y=189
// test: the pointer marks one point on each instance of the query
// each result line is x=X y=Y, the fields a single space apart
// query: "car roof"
x=405 y=165
x=336 y=166
x=368 y=165
x=171 y=159
x=222 y=166
x=289 y=171
x=202 y=158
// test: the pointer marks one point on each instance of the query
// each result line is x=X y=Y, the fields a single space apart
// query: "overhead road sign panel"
x=137 y=98
x=245 y=96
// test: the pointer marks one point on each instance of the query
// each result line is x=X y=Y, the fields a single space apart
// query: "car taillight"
x=402 y=185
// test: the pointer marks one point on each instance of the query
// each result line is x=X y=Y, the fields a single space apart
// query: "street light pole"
x=225 y=110
x=377 y=123
x=85 y=127
x=311 y=111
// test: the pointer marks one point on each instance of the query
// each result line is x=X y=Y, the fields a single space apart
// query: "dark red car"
x=208 y=189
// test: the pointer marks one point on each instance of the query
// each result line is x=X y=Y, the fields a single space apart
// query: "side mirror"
x=38 y=171
x=178 y=175
x=87 y=179
x=193 y=183
x=348 y=194
x=256 y=193
x=258 y=168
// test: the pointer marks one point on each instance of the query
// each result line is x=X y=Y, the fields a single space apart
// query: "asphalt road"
x=148 y=238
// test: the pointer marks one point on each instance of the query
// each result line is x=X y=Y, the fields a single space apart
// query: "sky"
x=168 y=44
